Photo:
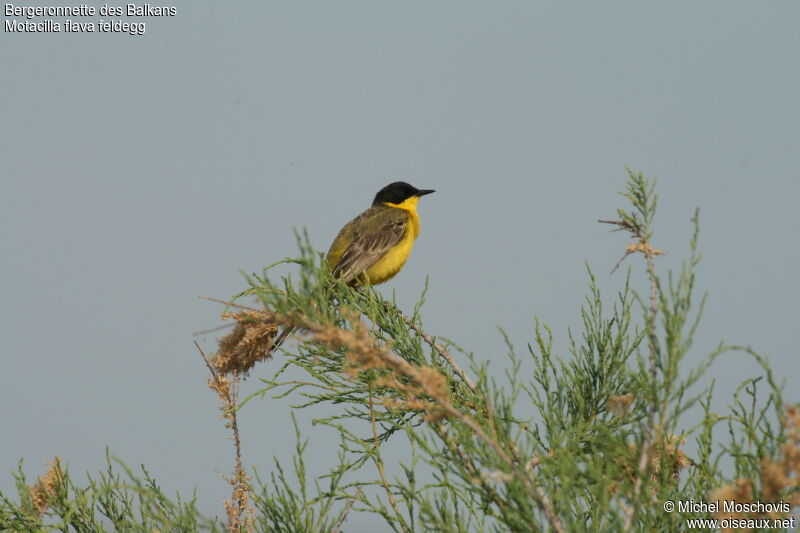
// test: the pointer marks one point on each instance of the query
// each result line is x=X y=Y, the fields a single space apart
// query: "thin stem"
x=639 y=229
x=650 y=437
x=347 y=510
x=228 y=394
x=442 y=351
x=376 y=456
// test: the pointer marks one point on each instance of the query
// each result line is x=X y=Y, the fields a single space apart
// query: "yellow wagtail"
x=375 y=245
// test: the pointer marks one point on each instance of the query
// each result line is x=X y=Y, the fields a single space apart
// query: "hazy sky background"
x=139 y=172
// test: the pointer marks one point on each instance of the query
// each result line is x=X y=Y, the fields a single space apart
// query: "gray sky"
x=139 y=172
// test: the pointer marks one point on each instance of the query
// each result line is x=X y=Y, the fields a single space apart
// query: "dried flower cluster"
x=241 y=515
x=620 y=404
x=670 y=453
x=664 y=453
x=779 y=478
x=45 y=487
x=643 y=247
x=423 y=388
x=249 y=342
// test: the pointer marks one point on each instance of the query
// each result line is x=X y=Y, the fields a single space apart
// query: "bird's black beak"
x=423 y=192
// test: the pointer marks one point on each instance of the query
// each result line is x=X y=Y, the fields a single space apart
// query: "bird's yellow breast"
x=391 y=263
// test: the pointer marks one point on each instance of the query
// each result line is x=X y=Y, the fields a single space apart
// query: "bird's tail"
x=281 y=337
x=351 y=279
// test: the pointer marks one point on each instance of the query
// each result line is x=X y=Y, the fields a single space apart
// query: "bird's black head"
x=398 y=192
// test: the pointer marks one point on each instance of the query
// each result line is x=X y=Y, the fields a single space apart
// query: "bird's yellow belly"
x=391 y=263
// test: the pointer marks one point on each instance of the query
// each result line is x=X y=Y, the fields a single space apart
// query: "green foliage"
x=282 y=508
x=108 y=501
x=594 y=440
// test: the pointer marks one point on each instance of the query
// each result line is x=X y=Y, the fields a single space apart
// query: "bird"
x=373 y=247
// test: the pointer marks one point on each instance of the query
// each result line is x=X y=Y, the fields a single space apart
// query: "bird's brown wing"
x=365 y=240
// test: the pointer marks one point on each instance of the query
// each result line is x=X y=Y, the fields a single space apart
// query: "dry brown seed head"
x=620 y=404
x=45 y=488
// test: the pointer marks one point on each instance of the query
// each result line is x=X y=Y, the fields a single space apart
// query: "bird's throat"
x=409 y=204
